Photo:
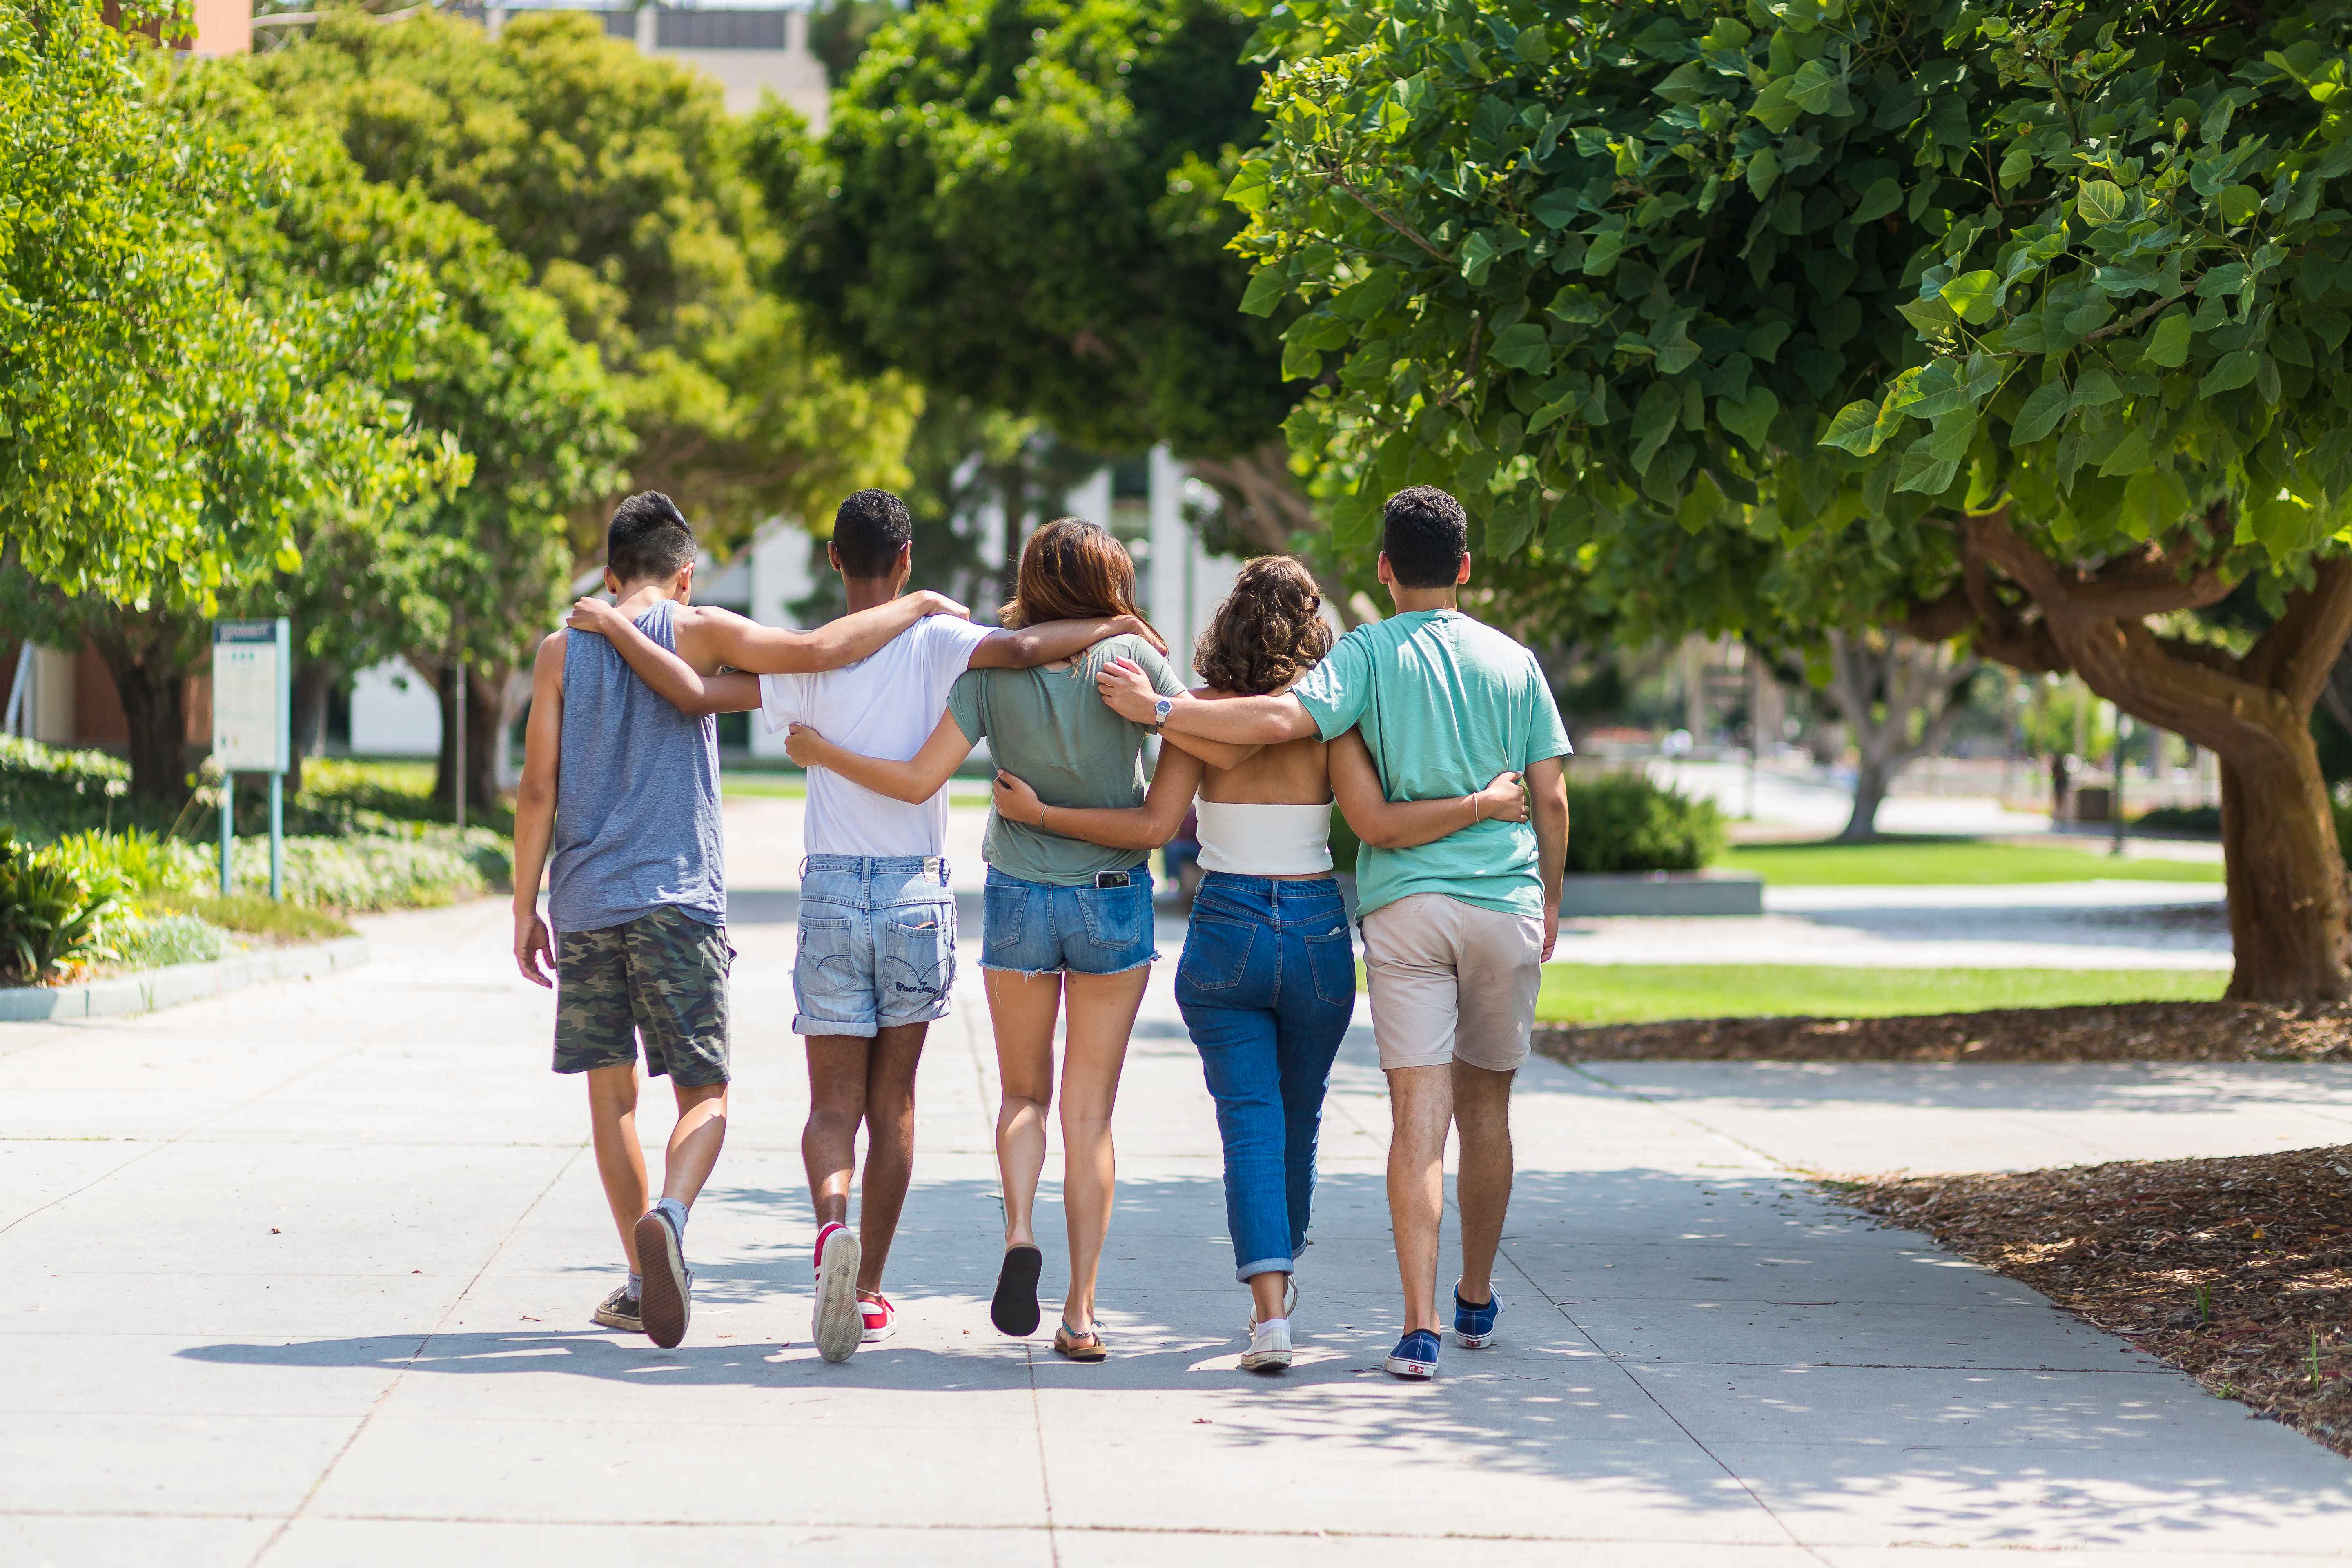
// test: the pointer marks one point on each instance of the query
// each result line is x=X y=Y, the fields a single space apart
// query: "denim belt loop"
x=804 y=866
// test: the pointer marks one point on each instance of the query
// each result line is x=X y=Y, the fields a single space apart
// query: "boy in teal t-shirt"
x=1455 y=931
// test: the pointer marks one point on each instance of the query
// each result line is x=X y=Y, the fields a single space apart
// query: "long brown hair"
x=1268 y=632
x=1071 y=570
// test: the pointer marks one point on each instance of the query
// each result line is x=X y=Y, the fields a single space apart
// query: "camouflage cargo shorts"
x=663 y=975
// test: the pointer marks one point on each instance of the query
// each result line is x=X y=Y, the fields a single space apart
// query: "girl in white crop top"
x=1268 y=979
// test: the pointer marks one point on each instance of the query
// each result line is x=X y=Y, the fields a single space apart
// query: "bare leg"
x=620 y=1162
x=1101 y=1016
x=1266 y=1294
x=836 y=1072
x=1482 y=1186
x=1022 y=1008
x=889 y=1145
x=1421 y=1107
x=694 y=1140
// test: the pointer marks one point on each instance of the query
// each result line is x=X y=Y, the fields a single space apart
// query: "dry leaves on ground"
x=2239 y=1271
x=2119 y=1032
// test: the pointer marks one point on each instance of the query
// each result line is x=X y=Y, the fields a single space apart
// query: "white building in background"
x=749 y=52
x=394 y=713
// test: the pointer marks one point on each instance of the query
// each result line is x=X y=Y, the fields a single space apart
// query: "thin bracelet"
x=1475 y=818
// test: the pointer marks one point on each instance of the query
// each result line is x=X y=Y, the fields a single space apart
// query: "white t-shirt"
x=885 y=705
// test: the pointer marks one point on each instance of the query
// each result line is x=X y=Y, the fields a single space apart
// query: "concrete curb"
x=153 y=988
x=1588 y=895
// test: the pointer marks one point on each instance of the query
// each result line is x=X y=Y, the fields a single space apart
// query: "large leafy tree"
x=160 y=430
x=2020 y=324
x=621 y=182
x=1016 y=203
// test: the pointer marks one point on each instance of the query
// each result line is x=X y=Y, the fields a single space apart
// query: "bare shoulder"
x=547 y=663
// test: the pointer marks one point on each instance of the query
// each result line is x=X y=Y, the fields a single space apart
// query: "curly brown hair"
x=1268 y=632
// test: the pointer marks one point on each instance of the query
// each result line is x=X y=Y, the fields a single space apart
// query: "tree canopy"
x=2018 y=322
x=162 y=428
x=1016 y=203
x=621 y=183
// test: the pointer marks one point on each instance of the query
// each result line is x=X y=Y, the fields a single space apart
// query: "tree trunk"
x=1880 y=681
x=2288 y=921
x=2287 y=910
x=151 y=677
x=313 y=681
x=1870 y=786
x=483 y=692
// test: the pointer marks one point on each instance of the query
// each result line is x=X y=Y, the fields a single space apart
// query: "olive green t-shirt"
x=1051 y=729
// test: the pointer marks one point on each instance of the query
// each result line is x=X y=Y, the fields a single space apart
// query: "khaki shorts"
x=1452 y=982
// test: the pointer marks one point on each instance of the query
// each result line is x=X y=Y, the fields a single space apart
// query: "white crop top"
x=1256 y=840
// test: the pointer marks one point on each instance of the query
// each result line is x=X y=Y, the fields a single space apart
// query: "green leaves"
x=2043 y=408
x=1975 y=296
x=2167 y=346
x=1253 y=186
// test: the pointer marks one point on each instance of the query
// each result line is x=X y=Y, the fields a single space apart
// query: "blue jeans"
x=1267 y=984
x=878 y=943
x=1041 y=928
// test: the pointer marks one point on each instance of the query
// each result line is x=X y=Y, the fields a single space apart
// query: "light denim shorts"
x=1038 y=928
x=877 y=944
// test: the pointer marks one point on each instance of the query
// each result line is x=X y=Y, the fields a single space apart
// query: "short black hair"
x=649 y=538
x=869 y=530
x=1425 y=535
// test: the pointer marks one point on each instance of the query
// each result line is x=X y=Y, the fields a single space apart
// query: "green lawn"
x=1641 y=993
x=1912 y=861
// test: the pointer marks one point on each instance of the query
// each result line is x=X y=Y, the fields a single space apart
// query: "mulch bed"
x=2121 y=1032
x=2238 y=1271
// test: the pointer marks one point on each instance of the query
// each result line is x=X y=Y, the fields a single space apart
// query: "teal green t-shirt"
x=1052 y=730
x=1445 y=703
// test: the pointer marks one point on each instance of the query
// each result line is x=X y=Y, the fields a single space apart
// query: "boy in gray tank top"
x=623 y=789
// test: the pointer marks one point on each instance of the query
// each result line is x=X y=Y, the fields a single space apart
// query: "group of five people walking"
x=1436 y=736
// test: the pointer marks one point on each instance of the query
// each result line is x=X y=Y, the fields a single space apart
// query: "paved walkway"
x=302 y=1275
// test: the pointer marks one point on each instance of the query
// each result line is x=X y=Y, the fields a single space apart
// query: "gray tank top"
x=636 y=795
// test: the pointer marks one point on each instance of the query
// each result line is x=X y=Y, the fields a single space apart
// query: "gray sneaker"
x=620 y=1310
x=668 y=1304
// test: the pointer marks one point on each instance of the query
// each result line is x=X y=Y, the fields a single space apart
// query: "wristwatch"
x=1160 y=711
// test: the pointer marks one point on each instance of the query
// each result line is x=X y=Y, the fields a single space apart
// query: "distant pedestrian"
x=1267 y=982
x=877 y=922
x=1456 y=930
x=624 y=789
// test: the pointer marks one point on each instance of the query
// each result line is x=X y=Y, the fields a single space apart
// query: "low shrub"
x=1624 y=822
x=53 y=914
x=167 y=939
x=380 y=871
x=2204 y=819
x=143 y=863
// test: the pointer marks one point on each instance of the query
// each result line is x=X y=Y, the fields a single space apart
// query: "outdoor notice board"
x=252 y=684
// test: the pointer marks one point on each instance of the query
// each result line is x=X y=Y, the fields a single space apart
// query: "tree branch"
x=2295 y=656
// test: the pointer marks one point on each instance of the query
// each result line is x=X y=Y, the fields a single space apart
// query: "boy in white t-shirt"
x=877 y=921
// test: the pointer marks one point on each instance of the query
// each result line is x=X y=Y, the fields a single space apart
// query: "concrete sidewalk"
x=302 y=1275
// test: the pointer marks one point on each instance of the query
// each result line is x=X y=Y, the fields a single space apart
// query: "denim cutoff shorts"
x=878 y=943
x=1038 y=928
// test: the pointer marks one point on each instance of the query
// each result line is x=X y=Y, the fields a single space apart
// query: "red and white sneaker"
x=881 y=1318
x=837 y=1325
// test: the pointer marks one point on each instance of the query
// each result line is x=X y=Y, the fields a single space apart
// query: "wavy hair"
x=1071 y=570
x=1269 y=631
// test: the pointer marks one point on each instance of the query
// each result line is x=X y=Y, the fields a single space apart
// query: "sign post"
x=252 y=685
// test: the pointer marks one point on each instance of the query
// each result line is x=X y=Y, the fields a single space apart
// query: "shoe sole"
x=1273 y=1361
x=876 y=1336
x=1475 y=1342
x=1014 y=1308
x=666 y=1303
x=839 y=1326
x=1420 y=1371
x=612 y=1321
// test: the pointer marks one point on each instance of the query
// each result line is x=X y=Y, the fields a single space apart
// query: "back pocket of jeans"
x=827 y=959
x=1114 y=916
x=1216 y=954
x=913 y=966
x=1002 y=911
x=1332 y=960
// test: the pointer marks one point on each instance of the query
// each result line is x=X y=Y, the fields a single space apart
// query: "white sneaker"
x=837 y=1325
x=1269 y=1347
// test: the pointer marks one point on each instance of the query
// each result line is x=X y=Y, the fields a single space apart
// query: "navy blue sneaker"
x=1475 y=1326
x=1415 y=1355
